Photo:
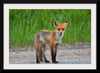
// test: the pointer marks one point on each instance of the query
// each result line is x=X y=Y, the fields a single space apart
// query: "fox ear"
x=55 y=23
x=66 y=23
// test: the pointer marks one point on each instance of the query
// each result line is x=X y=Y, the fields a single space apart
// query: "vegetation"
x=25 y=23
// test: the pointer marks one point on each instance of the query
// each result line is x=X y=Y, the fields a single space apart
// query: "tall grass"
x=25 y=23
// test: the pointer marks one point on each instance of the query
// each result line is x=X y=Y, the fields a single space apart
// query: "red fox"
x=44 y=37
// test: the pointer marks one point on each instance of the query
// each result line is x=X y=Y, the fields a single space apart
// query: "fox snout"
x=60 y=33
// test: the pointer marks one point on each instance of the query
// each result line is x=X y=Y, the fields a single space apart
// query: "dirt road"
x=64 y=56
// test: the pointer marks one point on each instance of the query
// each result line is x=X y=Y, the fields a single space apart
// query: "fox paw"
x=55 y=62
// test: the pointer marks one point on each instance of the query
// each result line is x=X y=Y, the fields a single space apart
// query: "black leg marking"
x=37 y=60
x=46 y=59
x=54 y=57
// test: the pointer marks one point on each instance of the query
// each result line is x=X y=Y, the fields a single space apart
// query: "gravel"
x=64 y=56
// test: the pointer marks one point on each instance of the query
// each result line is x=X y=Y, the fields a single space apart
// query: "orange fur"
x=44 y=37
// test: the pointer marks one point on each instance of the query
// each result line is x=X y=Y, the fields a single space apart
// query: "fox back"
x=46 y=36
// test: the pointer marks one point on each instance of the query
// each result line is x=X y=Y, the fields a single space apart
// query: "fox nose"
x=60 y=33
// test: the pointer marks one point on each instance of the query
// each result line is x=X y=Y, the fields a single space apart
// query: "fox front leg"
x=53 y=52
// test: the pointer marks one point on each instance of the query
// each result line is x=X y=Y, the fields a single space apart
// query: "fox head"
x=60 y=28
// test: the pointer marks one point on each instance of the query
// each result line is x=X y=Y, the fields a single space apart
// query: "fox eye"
x=63 y=29
x=58 y=29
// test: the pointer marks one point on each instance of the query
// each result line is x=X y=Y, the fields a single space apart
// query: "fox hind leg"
x=37 y=56
x=37 y=46
x=41 y=53
x=44 y=49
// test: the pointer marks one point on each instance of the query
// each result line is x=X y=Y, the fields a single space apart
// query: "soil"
x=79 y=53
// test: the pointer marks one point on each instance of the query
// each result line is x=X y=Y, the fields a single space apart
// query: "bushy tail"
x=35 y=42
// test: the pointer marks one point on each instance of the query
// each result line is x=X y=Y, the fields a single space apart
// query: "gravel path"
x=64 y=56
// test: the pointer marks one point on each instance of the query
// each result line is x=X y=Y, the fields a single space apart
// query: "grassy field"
x=24 y=24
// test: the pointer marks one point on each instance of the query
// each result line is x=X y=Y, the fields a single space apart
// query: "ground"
x=66 y=54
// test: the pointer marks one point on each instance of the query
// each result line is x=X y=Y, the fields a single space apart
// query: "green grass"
x=25 y=23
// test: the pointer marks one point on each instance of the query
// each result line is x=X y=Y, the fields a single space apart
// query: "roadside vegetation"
x=25 y=23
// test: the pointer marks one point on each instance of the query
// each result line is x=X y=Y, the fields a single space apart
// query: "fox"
x=53 y=38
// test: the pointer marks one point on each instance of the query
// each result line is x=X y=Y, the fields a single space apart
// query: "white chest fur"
x=59 y=37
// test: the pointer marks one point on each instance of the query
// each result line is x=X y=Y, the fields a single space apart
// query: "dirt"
x=79 y=53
